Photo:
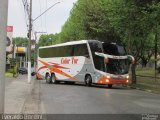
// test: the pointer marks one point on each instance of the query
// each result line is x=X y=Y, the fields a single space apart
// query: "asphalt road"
x=78 y=99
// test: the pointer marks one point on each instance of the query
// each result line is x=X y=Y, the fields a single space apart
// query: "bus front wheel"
x=88 y=80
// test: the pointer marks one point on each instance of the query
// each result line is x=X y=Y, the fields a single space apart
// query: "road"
x=78 y=99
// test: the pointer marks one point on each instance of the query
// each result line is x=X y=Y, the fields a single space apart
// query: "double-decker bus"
x=88 y=61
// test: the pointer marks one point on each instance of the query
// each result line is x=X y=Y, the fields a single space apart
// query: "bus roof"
x=68 y=43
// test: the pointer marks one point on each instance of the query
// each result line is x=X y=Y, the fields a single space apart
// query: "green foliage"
x=49 y=39
x=20 y=41
x=8 y=74
x=88 y=20
x=13 y=71
x=135 y=23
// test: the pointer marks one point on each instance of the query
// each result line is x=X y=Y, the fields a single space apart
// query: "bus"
x=88 y=61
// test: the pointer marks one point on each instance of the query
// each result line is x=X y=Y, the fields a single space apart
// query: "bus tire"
x=47 y=78
x=109 y=85
x=53 y=79
x=88 y=80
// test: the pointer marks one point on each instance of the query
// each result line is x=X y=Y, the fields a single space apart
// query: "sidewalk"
x=20 y=96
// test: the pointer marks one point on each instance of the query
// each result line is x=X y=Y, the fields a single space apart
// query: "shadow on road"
x=115 y=87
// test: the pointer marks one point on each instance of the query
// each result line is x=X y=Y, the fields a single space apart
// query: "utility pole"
x=29 y=43
x=3 y=35
x=36 y=50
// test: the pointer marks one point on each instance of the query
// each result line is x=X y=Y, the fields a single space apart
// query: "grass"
x=7 y=74
x=146 y=72
x=148 y=87
x=146 y=80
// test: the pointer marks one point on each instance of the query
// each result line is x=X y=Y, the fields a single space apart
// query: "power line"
x=40 y=13
x=26 y=11
x=46 y=16
x=25 y=15
x=45 y=11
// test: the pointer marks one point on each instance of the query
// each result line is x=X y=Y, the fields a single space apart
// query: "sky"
x=51 y=22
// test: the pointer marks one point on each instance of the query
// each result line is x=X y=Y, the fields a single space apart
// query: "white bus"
x=89 y=61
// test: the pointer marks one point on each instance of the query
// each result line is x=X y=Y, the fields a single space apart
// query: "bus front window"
x=116 y=66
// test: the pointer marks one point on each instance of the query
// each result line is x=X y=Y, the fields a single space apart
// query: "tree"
x=49 y=39
x=20 y=41
x=88 y=21
x=134 y=23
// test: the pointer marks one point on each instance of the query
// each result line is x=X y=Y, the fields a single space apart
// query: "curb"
x=146 y=90
x=32 y=102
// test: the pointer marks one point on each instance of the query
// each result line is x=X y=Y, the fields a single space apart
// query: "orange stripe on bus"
x=54 y=69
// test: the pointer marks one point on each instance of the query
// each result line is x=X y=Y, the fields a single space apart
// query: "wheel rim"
x=47 y=78
x=88 y=80
x=53 y=79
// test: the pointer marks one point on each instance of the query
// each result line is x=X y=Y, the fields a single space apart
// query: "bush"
x=14 y=71
x=10 y=70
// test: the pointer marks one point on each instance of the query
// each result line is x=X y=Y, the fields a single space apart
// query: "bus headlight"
x=107 y=81
x=127 y=77
x=127 y=81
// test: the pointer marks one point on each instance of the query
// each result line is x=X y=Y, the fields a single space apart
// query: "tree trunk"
x=159 y=69
x=133 y=69
x=144 y=63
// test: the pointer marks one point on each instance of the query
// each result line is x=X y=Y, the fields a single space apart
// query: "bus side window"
x=64 y=51
x=71 y=50
x=98 y=61
x=81 y=50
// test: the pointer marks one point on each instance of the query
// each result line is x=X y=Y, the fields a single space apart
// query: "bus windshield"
x=116 y=66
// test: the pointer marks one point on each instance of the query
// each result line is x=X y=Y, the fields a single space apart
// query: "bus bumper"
x=104 y=80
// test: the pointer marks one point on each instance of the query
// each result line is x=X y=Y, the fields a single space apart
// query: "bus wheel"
x=88 y=80
x=47 y=77
x=53 y=79
x=109 y=85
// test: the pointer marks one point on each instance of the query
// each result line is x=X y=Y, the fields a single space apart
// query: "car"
x=22 y=71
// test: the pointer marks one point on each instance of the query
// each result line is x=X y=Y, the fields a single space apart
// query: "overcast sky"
x=51 y=22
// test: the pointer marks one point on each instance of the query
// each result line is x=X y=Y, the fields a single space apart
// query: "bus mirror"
x=131 y=59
